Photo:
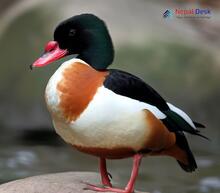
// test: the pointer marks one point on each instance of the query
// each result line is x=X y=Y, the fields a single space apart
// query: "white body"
x=109 y=121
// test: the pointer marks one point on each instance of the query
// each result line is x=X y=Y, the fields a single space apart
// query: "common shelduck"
x=109 y=113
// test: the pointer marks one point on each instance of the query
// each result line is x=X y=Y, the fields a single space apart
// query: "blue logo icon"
x=167 y=14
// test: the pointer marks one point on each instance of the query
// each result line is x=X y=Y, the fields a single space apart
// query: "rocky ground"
x=69 y=182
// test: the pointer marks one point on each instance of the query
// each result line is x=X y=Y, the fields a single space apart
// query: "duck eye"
x=72 y=32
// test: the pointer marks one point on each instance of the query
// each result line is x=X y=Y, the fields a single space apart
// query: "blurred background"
x=178 y=57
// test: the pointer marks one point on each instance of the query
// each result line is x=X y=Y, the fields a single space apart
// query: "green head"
x=83 y=35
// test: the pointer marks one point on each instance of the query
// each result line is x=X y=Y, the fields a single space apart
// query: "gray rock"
x=68 y=182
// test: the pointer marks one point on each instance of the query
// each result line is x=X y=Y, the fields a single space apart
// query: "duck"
x=109 y=113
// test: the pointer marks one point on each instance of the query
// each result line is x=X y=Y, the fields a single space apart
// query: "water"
x=21 y=158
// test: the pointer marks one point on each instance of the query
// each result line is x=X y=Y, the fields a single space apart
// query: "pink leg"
x=104 y=173
x=136 y=164
x=130 y=186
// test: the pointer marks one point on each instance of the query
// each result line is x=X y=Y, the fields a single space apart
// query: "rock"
x=67 y=182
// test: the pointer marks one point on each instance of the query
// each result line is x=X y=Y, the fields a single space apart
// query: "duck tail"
x=188 y=164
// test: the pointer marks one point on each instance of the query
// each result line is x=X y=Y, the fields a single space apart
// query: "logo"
x=193 y=13
x=167 y=14
x=188 y=13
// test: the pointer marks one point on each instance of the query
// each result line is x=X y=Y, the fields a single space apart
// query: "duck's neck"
x=98 y=50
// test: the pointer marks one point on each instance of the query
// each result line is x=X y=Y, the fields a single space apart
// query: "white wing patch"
x=111 y=103
x=182 y=114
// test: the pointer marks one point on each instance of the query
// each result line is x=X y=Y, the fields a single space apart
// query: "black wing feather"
x=198 y=125
x=133 y=87
x=128 y=85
